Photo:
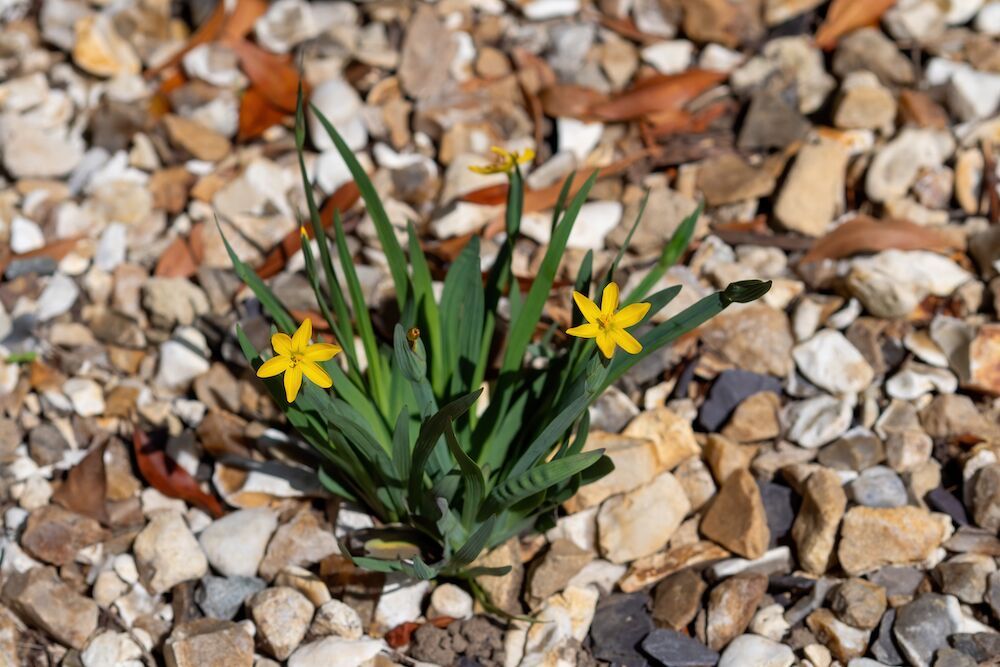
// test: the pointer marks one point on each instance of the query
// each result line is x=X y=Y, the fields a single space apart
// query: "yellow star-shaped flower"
x=295 y=357
x=607 y=326
x=505 y=161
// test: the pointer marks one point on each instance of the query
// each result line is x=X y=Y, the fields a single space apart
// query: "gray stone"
x=922 y=627
x=859 y=603
x=222 y=597
x=878 y=487
x=669 y=648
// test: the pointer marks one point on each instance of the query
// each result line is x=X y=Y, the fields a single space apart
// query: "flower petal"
x=273 y=366
x=526 y=156
x=626 y=341
x=587 y=307
x=486 y=169
x=631 y=315
x=293 y=381
x=321 y=352
x=300 y=339
x=282 y=344
x=588 y=330
x=609 y=300
x=316 y=374
x=606 y=343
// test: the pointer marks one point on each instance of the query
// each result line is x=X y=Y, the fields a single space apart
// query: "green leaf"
x=472 y=477
x=537 y=479
x=552 y=432
x=557 y=211
x=423 y=291
x=401 y=445
x=475 y=544
x=628 y=239
x=430 y=433
x=263 y=293
x=413 y=365
x=461 y=313
x=523 y=327
x=383 y=227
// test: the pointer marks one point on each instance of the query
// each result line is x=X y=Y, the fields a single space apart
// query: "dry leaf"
x=569 y=100
x=177 y=261
x=658 y=94
x=845 y=16
x=164 y=475
x=274 y=76
x=257 y=114
x=865 y=234
x=343 y=199
x=85 y=488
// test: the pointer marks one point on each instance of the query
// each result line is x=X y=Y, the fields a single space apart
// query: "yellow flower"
x=295 y=357
x=505 y=161
x=607 y=326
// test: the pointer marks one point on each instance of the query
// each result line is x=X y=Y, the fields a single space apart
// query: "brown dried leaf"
x=568 y=100
x=865 y=234
x=168 y=478
x=177 y=261
x=845 y=16
x=274 y=76
x=257 y=114
x=658 y=94
x=85 y=488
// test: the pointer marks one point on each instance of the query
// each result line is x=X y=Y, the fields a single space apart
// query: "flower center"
x=293 y=360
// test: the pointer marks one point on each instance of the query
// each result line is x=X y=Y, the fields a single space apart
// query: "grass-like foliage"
x=407 y=432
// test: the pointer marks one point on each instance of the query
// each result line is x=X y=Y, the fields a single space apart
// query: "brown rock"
x=505 y=591
x=639 y=523
x=208 y=642
x=755 y=419
x=725 y=457
x=100 y=50
x=170 y=188
x=201 y=142
x=984 y=360
x=731 y=606
x=54 y=535
x=953 y=415
x=647 y=571
x=281 y=615
x=728 y=178
x=756 y=338
x=813 y=192
x=986 y=497
x=859 y=602
x=872 y=537
x=736 y=518
x=41 y=598
x=677 y=599
x=727 y=22
x=11 y=630
x=551 y=572
x=815 y=527
x=845 y=642
x=427 y=54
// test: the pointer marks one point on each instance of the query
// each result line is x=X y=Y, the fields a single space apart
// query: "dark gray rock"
x=620 y=624
x=981 y=646
x=922 y=628
x=729 y=390
x=943 y=500
x=222 y=597
x=884 y=645
x=899 y=581
x=772 y=121
x=779 y=509
x=667 y=648
x=949 y=657
x=46 y=444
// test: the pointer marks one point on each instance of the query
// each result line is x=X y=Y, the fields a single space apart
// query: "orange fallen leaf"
x=570 y=100
x=257 y=114
x=164 y=475
x=845 y=16
x=343 y=199
x=658 y=94
x=274 y=76
x=177 y=261
x=400 y=635
x=865 y=234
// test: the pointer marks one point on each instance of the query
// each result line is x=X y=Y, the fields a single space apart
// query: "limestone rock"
x=235 y=544
x=640 y=522
x=736 y=518
x=815 y=528
x=731 y=606
x=207 y=642
x=282 y=616
x=872 y=537
x=41 y=598
x=813 y=193
x=167 y=553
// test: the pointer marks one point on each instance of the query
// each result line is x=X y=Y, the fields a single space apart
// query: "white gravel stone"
x=235 y=544
x=340 y=105
x=816 y=421
x=669 y=57
x=25 y=235
x=167 y=553
x=755 y=651
x=401 y=601
x=337 y=652
x=112 y=649
x=183 y=358
x=86 y=396
x=450 y=600
x=831 y=362
x=57 y=298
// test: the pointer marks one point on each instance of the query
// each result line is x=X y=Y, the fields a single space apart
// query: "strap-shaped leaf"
x=475 y=544
x=523 y=326
x=462 y=314
x=401 y=445
x=537 y=479
x=552 y=432
x=263 y=293
x=472 y=477
x=423 y=291
x=430 y=434
x=383 y=227
x=609 y=276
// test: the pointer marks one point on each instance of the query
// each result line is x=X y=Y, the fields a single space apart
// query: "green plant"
x=449 y=474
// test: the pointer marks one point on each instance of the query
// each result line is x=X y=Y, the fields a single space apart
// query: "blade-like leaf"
x=430 y=434
x=475 y=544
x=383 y=227
x=538 y=479
x=671 y=253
